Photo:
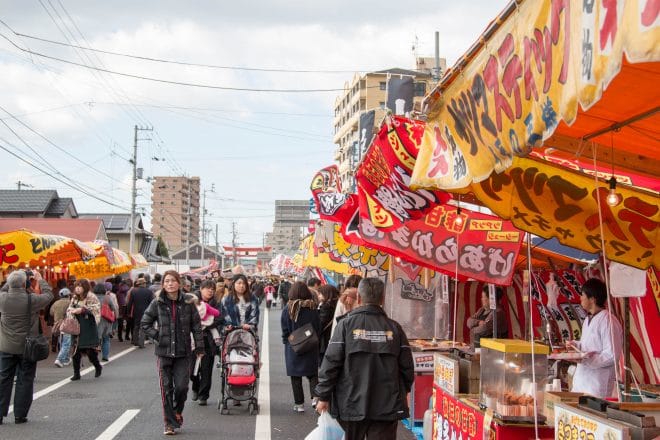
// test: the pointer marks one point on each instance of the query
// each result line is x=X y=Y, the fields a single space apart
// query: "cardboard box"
x=553 y=397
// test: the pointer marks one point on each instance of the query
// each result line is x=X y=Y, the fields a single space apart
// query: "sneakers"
x=194 y=396
x=179 y=419
x=20 y=420
x=169 y=431
x=299 y=408
x=67 y=363
x=315 y=400
x=58 y=364
x=98 y=371
x=202 y=402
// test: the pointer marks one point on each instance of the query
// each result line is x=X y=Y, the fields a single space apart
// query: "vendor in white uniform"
x=595 y=373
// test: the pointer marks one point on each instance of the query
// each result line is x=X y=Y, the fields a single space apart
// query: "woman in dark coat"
x=328 y=296
x=86 y=307
x=300 y=310
x=177 y=317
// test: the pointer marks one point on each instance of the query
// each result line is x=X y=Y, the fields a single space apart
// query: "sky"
x=68 y=127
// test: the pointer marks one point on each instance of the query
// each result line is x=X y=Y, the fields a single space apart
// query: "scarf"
x=295 y=305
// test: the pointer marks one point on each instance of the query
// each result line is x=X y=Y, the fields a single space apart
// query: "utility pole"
x=233 y=243
x=436 y=73
x=188 y=224
x=23 y=185
x=133 y=162
x=204 y=217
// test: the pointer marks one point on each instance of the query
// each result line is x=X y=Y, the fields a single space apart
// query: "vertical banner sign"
x=444 y=286
x=541 y=62
x=492 y=299
x=383 y=177
x=366 y=127
x=400 y=92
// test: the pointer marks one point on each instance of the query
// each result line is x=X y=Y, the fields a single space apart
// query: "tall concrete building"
x=369 y=92
x=291 y=217
x=175 y=210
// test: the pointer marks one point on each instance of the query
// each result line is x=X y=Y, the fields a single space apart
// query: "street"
x=124 y=403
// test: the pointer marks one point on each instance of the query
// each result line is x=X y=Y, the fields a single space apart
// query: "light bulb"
x=612 y=198
x=459 y=221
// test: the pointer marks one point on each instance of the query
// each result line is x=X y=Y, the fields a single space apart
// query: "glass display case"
x=507 y=384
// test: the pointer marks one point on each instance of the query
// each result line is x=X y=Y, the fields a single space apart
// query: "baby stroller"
x=240 y=370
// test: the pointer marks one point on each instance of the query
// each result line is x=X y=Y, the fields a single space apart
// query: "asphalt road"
x=125 y=402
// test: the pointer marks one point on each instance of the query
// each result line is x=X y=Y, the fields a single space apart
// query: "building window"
x=114 y=243
x=420 y=89
x=381 y=104
x=382 y=85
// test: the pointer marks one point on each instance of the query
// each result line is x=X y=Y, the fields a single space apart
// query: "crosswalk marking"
x=119 y=424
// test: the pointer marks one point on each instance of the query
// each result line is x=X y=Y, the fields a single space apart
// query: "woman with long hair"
x=328 y=296
x=239 y=307
x=177 y=317
x=301 y=309
x=105 y=327
x=86 y=307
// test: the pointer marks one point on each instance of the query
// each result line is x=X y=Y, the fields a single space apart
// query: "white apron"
x=595 y=375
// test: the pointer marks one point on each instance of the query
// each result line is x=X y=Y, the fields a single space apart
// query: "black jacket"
x=173 y=338
x=367 y=368
x=139 y=300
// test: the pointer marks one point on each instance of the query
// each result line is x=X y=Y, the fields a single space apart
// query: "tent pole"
x=626 y=348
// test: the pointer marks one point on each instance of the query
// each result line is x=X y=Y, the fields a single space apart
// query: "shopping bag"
x=328 y=429
x=70 y=326
x=107 y=313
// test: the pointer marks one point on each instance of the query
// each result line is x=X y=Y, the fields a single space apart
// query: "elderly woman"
x=239 y=307
x=86 y=307
x=177 y=317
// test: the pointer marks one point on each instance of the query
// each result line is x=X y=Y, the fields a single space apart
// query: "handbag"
x=303 y=339
x=36 y=347
x=106 y=312
x=70 y=326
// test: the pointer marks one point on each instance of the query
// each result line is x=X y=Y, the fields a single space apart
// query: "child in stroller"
x=240 y=369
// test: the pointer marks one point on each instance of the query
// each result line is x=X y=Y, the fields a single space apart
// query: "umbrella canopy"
x=28 y=248
x=106 y=264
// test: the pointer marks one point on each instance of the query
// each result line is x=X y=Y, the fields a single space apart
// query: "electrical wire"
x=221 y=110
x=185 y=63
x=60 y=180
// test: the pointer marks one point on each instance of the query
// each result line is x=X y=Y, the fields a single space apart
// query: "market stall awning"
x=28 y=248
x=582 y=79
x=104 y=265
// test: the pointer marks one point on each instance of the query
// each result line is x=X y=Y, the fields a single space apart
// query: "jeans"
x=14 y=365
x=105 y=347
x=296 y=384
x=65 y=348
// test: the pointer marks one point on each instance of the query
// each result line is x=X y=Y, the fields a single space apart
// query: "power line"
x=185 y=63
x=58 y=179
x=172 y=82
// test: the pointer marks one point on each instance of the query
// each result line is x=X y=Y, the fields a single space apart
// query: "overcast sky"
x=255 y=147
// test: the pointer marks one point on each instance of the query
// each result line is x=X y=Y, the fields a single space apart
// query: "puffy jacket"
x=173 y=337
x=368 y=368
x=232 y=315
x=14 y=320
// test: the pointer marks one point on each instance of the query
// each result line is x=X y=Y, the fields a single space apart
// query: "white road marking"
x=119 y=424
x=63 y=382
x=262 y=425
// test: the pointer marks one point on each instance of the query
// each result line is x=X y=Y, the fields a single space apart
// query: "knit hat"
x=65 y=292
x=140 y=282
x=108 y=286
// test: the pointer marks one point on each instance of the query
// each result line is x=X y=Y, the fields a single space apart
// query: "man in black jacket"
x=139 y=299
x=367 y=369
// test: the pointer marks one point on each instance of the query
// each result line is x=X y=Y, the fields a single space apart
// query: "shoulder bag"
x=70 y=325
x=304 y=339
x=106 y=311
x=36 y=348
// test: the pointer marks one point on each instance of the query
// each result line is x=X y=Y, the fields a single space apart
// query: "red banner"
x=488 y=246
x=456 y=419
x=383 y=178
x=331 y=203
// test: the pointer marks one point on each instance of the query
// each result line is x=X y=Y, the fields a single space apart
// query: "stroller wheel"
x=224 y=411
x=252 y=408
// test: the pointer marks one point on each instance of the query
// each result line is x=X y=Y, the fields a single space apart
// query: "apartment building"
x=291 y=216
x=175 y=210
x=369 y=92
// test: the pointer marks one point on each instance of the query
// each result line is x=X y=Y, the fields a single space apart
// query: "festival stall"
x=518 y=89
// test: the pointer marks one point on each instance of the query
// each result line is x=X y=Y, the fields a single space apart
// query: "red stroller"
x=240 y=370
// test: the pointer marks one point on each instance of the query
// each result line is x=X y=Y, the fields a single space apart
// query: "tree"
x=162 y=248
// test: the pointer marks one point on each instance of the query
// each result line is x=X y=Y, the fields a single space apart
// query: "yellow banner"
x=367 y=260
x=101 y=267
x=547 y=57
x=26 y=248
x=312 y=257
x=550 y=201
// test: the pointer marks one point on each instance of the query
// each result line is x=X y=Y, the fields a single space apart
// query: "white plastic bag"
x=327 y=429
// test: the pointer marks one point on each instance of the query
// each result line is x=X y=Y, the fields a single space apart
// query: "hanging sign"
x=540 y=63
x=445 y=373
x=549 y=201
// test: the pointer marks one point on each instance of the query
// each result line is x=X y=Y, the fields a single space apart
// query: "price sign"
x=491 y=296
x=445 y=373
x=444 y=287
x=423 y=362
x=572 y=423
